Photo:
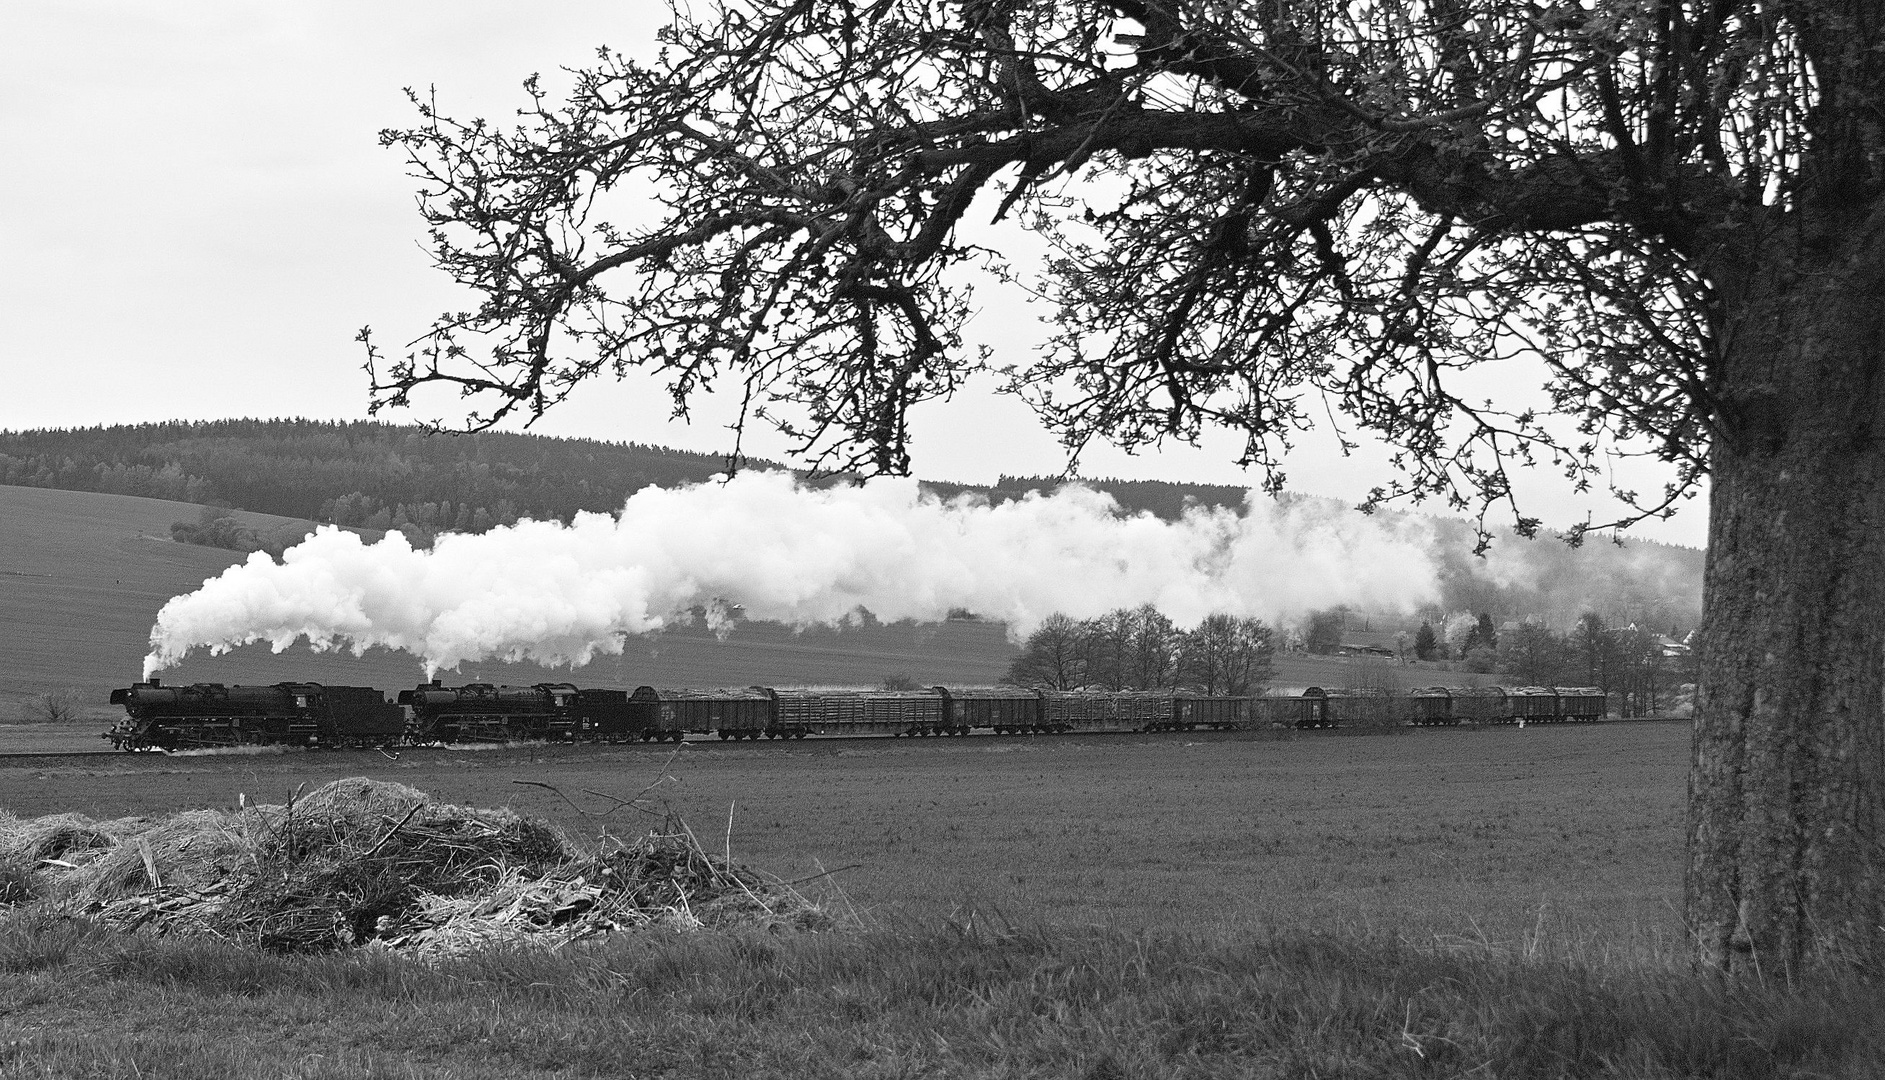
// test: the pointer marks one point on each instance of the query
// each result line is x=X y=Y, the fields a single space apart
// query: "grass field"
x=1454 y=834
x=1424 y=904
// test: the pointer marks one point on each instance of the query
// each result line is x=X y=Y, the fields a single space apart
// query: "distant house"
x=1667 y=646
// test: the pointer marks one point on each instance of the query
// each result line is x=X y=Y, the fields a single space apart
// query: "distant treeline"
x=1643 y=673
x=1157 y=497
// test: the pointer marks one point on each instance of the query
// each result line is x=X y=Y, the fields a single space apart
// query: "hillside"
x=365 y=474
x=83 y=574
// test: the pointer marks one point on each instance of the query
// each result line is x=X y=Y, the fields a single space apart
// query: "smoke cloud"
x=558 y=595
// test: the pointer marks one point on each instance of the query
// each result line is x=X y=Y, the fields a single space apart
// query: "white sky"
x=196 y=217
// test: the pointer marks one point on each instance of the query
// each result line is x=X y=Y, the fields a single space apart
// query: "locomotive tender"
x=310 y=714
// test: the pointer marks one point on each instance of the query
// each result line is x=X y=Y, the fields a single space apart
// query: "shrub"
x=56 y=706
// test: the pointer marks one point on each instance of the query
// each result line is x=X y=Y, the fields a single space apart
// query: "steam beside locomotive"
x=204 y=715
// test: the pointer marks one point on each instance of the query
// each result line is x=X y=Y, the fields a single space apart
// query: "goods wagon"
x=1307 y=710
x=1105 y=710
x=668 y=713
x=1430 y=706
x=1004 y=710
x=1477 y=704
x=797 y=713
x=1531 y=704
x=1581 y=704
x=1191 y=711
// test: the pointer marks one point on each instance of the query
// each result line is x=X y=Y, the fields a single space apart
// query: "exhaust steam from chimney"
x=559 y=595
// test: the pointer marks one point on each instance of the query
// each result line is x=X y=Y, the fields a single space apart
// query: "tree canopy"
x=1266 y=216
x=1255 y=209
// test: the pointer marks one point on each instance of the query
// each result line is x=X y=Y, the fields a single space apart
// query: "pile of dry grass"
x=360 y=862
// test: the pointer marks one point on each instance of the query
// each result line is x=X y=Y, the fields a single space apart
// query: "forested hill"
x=357 y=473
x=375 y=475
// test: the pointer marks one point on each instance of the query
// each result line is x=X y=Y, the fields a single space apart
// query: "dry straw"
x=360 y=863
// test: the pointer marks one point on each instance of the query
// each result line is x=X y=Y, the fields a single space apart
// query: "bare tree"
x=1108 y=644
x=1533 y=655
x=1263 y=215
x=1152 y=654
x=1226 y=655
x=1054 y=657
x=1596 y=650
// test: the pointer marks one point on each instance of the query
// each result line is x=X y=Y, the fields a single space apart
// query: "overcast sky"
x=195 y=219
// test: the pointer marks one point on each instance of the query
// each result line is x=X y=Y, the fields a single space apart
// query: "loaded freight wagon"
x=1004 y=710
x=798 y=713
x=1191 y=711
x=667 y=714
x=1106 y=710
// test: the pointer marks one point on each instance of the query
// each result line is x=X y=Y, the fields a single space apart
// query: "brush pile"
x=361 y=863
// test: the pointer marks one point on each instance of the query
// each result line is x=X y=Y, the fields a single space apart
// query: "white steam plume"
x=560 y=594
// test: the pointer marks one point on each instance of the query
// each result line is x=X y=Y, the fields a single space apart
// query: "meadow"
x=1457 y=834
x=1429 y=903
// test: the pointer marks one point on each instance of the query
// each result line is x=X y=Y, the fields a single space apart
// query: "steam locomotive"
x=159 y=717
x=310 y=714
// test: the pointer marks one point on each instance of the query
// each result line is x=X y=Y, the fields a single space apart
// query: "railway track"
x=702 y=742
x=48 y=757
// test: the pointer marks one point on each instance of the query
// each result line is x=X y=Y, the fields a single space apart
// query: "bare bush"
x=55 y=706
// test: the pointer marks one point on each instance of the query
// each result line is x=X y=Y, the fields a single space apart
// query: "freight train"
x=159 y=717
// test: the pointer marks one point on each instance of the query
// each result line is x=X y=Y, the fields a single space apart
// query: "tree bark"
x=1787 y=778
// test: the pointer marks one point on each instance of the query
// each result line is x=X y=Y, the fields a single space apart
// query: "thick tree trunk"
x=1787 y=782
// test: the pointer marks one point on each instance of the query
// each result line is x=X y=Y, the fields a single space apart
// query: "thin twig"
x=374 y=850
x=815 y=877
